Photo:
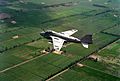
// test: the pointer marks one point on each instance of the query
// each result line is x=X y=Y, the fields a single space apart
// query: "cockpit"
x=46 y=33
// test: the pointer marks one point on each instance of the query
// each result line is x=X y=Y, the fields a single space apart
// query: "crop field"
x=44 y=67
x=100 y=41
x=84 y=74
x=113 y=30
x=111 y=55
x=107 y=66
x=108 y=62
x=21 y=43
x=28 y=32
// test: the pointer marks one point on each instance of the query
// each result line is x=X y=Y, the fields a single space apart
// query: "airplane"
x=59 y=38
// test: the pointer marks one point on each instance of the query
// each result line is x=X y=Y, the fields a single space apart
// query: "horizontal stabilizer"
x=85 y=45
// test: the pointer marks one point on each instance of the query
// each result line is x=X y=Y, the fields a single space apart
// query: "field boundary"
x=17 y=65
x=82 y=59
x=57 y=74
x=100 y=71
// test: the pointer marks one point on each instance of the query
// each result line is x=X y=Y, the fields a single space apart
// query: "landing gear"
x=51 y=50
x=57 y=52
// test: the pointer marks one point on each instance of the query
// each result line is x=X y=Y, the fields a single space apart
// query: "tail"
x=87 y=39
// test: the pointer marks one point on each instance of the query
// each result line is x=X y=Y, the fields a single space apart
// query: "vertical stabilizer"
x=87 y=39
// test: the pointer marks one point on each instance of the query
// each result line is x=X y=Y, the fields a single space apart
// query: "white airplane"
x=59 y=38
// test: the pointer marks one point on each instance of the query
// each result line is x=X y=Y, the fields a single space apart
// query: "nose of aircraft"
x=42 y=33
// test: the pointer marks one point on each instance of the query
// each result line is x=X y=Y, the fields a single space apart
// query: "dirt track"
x=57 y=74
x=17 y=65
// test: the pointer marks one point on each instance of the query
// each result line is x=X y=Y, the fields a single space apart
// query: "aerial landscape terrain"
x=21 y=45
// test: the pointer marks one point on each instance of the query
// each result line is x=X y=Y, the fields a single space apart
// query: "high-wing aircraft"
x=59 y=38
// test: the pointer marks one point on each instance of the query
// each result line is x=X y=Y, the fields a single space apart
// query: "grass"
x=32 y=20
x=25 y=33
x=15 y=56
x=84 y=74
x=114 y=30
x=61 y=24
x=20 y=32
x=58 y=60
x=19 y=75
x=44 y=67
x=110 y=55
x=12 y=43
x=108 y=68
x=99 y=41
x=42 y=44
x=61 y=62
x=111 y=50
x=109 y=60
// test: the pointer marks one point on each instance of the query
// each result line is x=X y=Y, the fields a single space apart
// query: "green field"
x=109 y=60
x=42 y=67
x=107 y=66
x=84 y=74
x=16 y=55
x=113 y=30
x=21 y=57
x=100 y=40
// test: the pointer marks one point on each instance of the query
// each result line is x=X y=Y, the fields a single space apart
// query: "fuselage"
x=49 y=33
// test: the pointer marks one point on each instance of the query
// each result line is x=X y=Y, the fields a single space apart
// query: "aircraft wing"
x=69 y=32
x=57 y=43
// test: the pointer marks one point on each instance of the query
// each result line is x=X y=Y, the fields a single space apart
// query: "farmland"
x=113 y=31
x=21 y=43
x=107 y=66
x=84 y=74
